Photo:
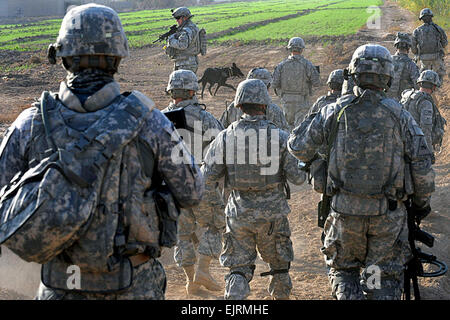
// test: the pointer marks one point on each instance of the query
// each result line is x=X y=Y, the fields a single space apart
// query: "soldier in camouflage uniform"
x=201 y=127
x=91 y=50
x=256 y=212
x=293 y=80
x=273 y=112
x=334 y=82
x=428 y=44
x=421 y=105
x=406 y=71
x=183 y=46
x=378 y=157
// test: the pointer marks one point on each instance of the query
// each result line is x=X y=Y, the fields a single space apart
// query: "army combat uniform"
x=406 y=73
x=88 y=95
x=257 y=208
x=183 y=46
x=376 y=141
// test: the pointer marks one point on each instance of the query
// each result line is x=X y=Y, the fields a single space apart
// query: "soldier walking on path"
x=293 y=80
x=334 y=82
x=377 y=157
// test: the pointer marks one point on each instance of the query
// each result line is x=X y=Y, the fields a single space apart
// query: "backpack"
x=439 y=122
x=202 y=41
x=47 y=208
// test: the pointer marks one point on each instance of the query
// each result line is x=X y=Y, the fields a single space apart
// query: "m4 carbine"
x=164 y=36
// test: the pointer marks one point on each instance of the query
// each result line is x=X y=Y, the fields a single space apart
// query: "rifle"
x=164 y=36
x=177 y=117
x=414 y=268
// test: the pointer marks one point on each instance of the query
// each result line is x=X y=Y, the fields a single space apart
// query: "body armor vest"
x=294 y=77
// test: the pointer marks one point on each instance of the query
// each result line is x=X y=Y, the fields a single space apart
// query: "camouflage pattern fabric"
x=184 y=46
x=209 y=215
x=293 y=80
x=406 y=74
x=149 y=284
x=18 y=148
x=421 y=106
x=273 y=114
x=323 y=101
x=252 y=212
x=347 y=232
x=428 y=43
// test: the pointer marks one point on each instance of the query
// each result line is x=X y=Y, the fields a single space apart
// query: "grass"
x=233 y=18
x=440 y=8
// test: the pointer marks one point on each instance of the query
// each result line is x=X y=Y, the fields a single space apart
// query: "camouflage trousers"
x=190 y=63
x=376 y=245
x=243 y=239
x=149 y=283
x=295 y=107
x=437 y=65
x=212 y=220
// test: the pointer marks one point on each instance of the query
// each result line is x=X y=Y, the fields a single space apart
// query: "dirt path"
x=147 y=70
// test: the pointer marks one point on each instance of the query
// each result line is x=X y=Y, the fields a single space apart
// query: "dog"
x=219 y=76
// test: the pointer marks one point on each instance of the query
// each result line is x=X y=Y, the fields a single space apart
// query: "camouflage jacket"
x=323 y=101
x=407 y=142
x=185 y=43
x=295 y=75
x=273 y=114
x=429 y=41
x=406 y=74
x=202 y=126
x=268 y=201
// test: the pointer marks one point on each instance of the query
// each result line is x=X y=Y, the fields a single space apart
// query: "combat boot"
x=203 y=277
x=192 y=288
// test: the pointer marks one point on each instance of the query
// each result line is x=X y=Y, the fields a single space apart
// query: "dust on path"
x=147 y=70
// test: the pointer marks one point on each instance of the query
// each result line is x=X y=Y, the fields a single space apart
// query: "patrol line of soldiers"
x=367 y=222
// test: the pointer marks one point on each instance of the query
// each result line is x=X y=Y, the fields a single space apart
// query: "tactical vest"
x=428 y=39
x=294 y=78
x=115 y=229
x=366 y=161
x=194 y=47
x=245 y=171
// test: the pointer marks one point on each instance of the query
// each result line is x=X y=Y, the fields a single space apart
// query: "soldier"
x=428 y=44
x=256 y=212
x=371 y=140
x=202 y=127
x=406 y=71
x=183 y=46
x=91 y=51
x=273 y=112
x=421 y=105
x=334 y=82
x=293 y=80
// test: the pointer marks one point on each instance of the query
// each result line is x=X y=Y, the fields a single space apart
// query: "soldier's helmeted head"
x=426 y=15
x=181 y=12
x=296 y=44
x=91 y=36
x=252 y=96
x=429 y=79
x=403 y=41
x=371 y=66
x=336 y=79
x=262 y=74
x=182 y=84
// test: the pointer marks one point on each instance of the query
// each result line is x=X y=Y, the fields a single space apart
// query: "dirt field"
x=147 y=70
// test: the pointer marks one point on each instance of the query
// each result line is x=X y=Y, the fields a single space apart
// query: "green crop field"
x=263 y=21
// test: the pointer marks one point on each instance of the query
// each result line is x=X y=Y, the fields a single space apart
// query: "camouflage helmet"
x=252 y=91
x=425 y=12
x=262 y=74
x=295 y=43
x=182 y=79
x=429 y=76
x=372 y=58
x=402 y=37
x=181 y=12
x=91 y=29
x=336 y=76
